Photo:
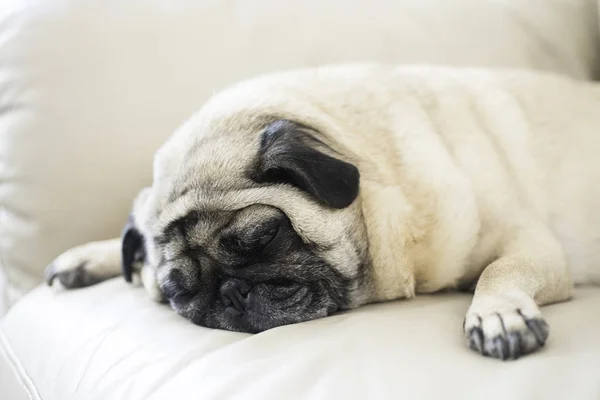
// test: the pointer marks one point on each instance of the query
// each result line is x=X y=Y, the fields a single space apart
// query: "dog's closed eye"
x=254 y=239
x=265 y=237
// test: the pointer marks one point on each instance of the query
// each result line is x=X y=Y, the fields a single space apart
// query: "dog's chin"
x=266 y=307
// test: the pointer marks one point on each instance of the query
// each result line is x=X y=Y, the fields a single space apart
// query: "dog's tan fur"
x=465 y=174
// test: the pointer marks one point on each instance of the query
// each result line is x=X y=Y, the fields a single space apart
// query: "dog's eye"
x=267 y=237
x=260 y=237
x=254 y=240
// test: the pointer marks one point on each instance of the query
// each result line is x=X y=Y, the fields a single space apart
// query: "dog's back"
x=527 y=144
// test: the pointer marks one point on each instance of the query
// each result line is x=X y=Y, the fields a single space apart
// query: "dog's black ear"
x=288 y=155
x=132 y=248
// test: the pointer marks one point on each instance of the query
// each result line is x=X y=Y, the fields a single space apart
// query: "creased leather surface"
x=13 y=377
x=111 y=342
x=90 y=88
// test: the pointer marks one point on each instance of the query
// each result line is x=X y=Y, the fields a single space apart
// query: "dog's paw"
x=505 y=333
x=84 y=265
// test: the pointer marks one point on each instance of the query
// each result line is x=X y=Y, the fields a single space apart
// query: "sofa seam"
x=18 y=368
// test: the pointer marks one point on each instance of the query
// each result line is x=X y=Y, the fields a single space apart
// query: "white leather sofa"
x=90 y=88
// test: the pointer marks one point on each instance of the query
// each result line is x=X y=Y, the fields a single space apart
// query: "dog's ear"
x=132 y=248
x=288 y=154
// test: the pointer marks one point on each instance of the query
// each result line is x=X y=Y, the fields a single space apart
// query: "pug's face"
x=251 y=224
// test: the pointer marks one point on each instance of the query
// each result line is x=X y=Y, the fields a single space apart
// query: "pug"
x=295 y=195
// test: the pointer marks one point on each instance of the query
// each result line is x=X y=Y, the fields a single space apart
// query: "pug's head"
x=252 y=222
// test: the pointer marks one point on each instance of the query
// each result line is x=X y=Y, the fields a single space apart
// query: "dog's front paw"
x=505 y=332
x=84 y=265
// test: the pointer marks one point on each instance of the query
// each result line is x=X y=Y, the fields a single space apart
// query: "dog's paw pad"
x=505 y=335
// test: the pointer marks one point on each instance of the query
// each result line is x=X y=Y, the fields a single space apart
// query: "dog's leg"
x=95 y=262
x=86 y=265
x=504 y=320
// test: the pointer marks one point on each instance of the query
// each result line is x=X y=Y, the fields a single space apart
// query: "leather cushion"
x=112 y=342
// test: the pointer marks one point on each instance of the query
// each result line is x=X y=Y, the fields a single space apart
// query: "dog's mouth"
x=238 y=305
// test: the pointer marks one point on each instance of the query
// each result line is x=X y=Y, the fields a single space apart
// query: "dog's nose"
x=234 y=294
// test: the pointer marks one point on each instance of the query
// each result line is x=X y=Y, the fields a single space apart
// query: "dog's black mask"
x=250 y=281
